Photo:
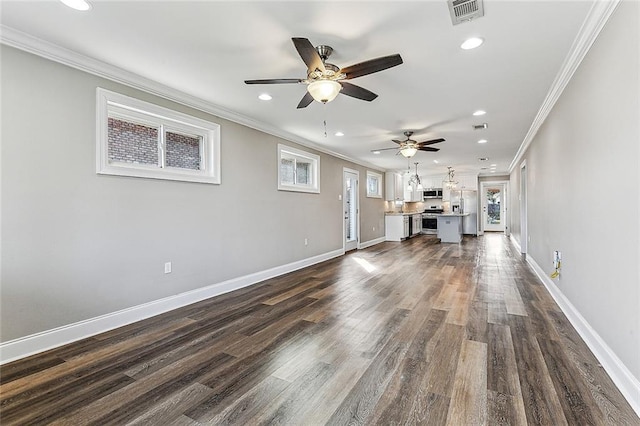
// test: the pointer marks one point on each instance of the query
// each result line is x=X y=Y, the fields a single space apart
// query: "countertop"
x=452 y=214
x=401 y=213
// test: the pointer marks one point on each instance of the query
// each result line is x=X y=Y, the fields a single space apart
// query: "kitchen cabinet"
x=432 y=181
x=393 y=189
x=417 y=224
x=413 y=195
x=396 y=227
x=467 y=183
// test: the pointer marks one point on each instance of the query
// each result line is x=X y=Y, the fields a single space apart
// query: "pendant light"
x=450 y=182
x=415 y=180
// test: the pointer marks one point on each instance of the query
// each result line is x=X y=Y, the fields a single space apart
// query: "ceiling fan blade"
x=428 y=148
x=431 y=142
x=397 y=141
x=305 y=101
x=383 y=149
x=357 y=91
x=308 y=53
x=274 y=81
x=371 y=66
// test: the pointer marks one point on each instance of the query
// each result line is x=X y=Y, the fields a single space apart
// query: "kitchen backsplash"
x=418 y=206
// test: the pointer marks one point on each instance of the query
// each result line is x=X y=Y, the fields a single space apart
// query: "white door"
x=350 y=208
x=493 y=203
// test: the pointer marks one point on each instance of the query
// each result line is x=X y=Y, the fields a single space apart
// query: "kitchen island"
x=450 y=227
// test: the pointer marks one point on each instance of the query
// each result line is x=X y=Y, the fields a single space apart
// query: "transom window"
x=298 y=170
x=136 y=138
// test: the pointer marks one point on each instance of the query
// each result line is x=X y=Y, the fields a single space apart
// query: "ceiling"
x=207 y=50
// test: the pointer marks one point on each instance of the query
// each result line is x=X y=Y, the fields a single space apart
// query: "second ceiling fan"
x=409 y=147
x=325 y=80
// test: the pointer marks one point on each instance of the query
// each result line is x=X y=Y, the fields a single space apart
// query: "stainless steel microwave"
x=432 y=193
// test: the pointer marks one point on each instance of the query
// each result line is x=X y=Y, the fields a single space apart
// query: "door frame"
x=524 y=226
x=344 y=204
x=507 y=210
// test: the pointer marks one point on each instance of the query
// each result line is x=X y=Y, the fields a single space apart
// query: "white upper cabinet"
x=393 y=189
x=467 y=182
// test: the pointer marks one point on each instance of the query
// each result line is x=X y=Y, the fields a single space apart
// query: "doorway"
x=493 y=207
x=524 y=232
x=351 y=209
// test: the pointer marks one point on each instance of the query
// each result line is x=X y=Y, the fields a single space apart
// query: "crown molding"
x=597 y=17
x=28 y=43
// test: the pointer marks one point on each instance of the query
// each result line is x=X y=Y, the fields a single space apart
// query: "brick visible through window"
x=182 y=151
x=132 y=143
x=139 y=139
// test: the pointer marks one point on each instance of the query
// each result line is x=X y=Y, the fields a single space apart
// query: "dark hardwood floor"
x=400 y=333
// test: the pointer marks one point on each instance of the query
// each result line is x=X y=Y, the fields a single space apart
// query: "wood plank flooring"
x=400 y=333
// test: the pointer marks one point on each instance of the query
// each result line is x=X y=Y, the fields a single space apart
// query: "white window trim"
x=126 y=106
x=378 y=177
x=314 y=187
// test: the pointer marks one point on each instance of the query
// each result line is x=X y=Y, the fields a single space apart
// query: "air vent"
x=480 y=126
x=465 y=10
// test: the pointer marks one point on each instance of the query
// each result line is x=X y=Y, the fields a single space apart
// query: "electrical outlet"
x=339 y=197
x=306 y=242
x=167 y=268
x=374 y=229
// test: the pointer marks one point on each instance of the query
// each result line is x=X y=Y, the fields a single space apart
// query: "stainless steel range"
x=430 y=220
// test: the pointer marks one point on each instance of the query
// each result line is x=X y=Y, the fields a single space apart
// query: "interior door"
x=350 y=204
x=493 y=208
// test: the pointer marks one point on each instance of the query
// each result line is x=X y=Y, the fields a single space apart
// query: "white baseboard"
x=626 y=382
x=49 y=339
x=371 y=243
x=515 y=243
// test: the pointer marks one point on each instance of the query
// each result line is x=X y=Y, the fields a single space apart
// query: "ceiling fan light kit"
x=324 y=90
x=408 y=147
x=408 y=151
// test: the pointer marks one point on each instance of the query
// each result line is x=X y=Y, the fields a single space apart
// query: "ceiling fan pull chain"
x=324 y=110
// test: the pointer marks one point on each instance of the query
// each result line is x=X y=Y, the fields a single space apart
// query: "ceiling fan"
x=409 y=147
x=324 y=80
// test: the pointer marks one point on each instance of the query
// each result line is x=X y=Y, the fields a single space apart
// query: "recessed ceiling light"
x=482 y=141
x=265 y=97
x=77 y=4
x=479 y=112
x=494 y=165
x=376 y=152
x=436 y=161
x=492 y=171
x=339 y=134
x=471 y=43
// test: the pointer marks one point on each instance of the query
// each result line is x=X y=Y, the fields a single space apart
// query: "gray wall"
x=76 y=245
x=583 y=182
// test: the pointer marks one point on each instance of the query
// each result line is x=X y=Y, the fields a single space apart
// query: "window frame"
x=287 y=152
x=378 y=177
x=122 y=107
